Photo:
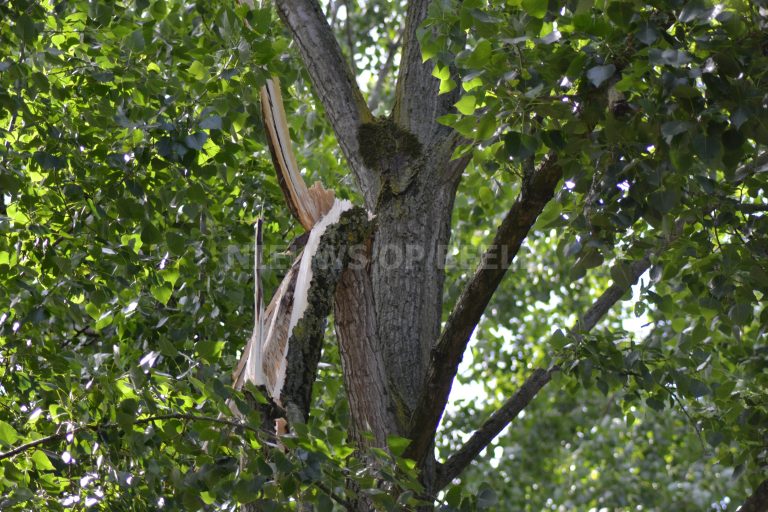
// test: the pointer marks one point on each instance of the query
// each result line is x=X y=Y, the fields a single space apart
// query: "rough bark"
x=417 y=102
x=333 y=81
x=448 y=351
x=305 y=343
x=388 y=319
x=758 y=501
x=362 y=361
x=407 y=275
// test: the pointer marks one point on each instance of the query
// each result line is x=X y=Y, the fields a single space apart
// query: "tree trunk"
x=388 y=306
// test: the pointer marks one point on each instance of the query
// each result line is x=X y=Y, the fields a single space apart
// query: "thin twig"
x=690 y=420
x=139 y=421
x=338 y=499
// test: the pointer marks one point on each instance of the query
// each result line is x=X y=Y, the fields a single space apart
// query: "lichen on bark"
x=334 y=253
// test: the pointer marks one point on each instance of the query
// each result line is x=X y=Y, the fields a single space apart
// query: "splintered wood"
x=263 y=362
x=307 y=205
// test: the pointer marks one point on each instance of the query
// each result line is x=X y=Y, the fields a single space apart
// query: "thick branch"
x=492 y=426
x=365 y=378
x=611 y=296
x=536 y=192
x=512 y=407
x=417 y=103
x=333 y=82
x=758 y=501
x=333 y=254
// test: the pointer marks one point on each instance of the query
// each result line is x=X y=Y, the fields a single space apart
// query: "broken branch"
x=307 y=205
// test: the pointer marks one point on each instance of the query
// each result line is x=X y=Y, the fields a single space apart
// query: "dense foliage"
x=132 y=168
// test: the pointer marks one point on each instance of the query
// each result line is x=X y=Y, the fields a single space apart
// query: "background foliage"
x=133 y=165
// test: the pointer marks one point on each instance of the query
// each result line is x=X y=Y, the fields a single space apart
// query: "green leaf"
x=558 y=340
x=176 y=242
x=486 y=498
x=209 y=350
x=487 y=126
x=49 y=162
x=324 y=503
x=8 y=434
x=599 y=74
x=672 y=128
x=647 y=33
x=447 y=85
x=520 y=145
x=486 y=196
x=150 y=234
x=535 y=8
x=708 y=147
x=158 y=10
x=135 y=41
x=197 y=70
x=664 y=201
x=550 y=213
x=620 y=13
x=694 y=10
x=397 y=445
x=679 y=324
x=590 y=259
x=248 y=489
x=453 y=497
x=211 y=123
x=668 y=57
x=41 y=461
x=26 y=29
x=621 y=275
x=161 y=292
x=741 y=314
x=196 y=140
x=466 y=105
x=480 y=55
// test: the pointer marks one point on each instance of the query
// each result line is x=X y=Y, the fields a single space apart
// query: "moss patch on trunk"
x=385 y=146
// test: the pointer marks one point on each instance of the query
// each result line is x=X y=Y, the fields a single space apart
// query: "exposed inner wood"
x=307 y=205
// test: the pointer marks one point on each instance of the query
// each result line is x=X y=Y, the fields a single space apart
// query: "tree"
x=570 y=196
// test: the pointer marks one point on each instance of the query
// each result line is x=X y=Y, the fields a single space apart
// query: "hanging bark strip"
x=254 y=369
